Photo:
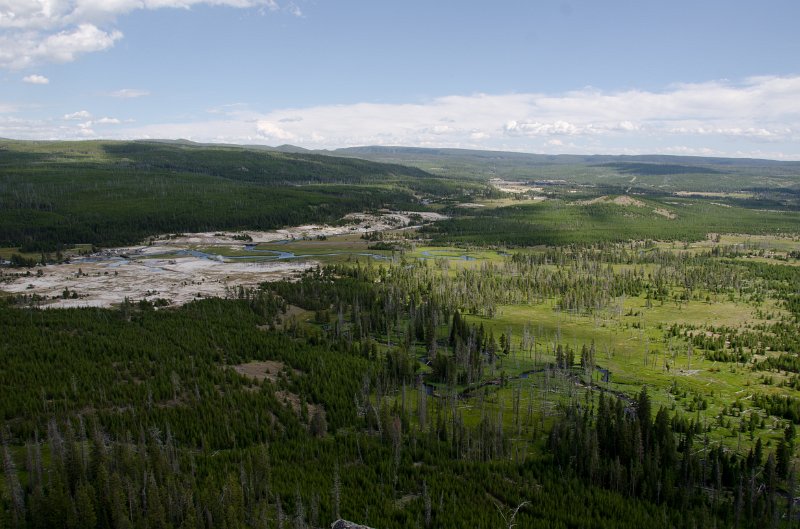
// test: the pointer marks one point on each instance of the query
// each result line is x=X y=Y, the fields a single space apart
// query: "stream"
x=255 y=255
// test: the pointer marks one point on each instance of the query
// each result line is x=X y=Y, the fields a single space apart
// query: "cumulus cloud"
x=85 y=129
x=35 y=79
x=129 y=93
x=80 y=114
x=26 y=48
x=88 y=121
x=271 y=131
x=558 y=127
x=37 y=31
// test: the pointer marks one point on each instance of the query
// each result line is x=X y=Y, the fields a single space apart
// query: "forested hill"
x=110 y=193
x=255 y=165
x=228 y=161
x=411 y=153
x=660 y=173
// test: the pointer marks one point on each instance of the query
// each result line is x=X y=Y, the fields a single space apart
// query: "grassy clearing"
x=631 y=344
x=79 y=249
x=621 y=349
x=558 y=222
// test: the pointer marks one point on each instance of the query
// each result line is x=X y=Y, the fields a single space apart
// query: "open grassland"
x=635 y=352
x=558 y=222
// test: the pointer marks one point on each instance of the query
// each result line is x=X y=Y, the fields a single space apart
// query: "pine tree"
x=14 y=488
x=85 y=505
x=299 y=511
x=336 y=492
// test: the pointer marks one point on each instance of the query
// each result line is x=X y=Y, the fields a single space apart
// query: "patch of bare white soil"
x=625 y=200
x=352 y=223
x=106 y=283
x=137 y=273
x=508 y=186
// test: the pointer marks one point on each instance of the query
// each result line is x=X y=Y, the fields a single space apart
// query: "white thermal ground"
x=137 y=273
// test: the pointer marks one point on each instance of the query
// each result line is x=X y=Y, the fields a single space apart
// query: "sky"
x=710 y=77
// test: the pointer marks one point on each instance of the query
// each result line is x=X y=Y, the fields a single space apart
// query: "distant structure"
x=344 y=524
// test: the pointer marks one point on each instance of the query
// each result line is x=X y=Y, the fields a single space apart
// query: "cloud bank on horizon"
x=763 y=111
x=758 y=117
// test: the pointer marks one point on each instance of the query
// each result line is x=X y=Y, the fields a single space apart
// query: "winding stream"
x=254 y=255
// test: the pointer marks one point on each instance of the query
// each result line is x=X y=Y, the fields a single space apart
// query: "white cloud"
x=36 y=79
x=440 y=130
x=51 y=14
x=129 y=93
x=85 y=129
x=763 y=133
x=294 y=9
x=37 y=129
x=26 y=48
x=87 y=121
x=81 y=114
x=756 y=117
x=684 y=150
x=37 y=31
x=757 y=109
x=558 y=127
x=65 y=45
x=271 y=131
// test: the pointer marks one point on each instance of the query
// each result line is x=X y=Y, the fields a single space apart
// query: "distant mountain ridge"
x=650 y=173
x=375 y=150
x=381 y=151
x=659 y=173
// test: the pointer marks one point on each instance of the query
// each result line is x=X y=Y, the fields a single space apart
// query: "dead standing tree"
x=509 y=514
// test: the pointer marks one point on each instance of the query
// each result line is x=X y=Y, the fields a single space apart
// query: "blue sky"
x=613 y=76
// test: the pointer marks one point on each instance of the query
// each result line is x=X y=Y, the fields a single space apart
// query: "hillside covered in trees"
x=54 y=195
